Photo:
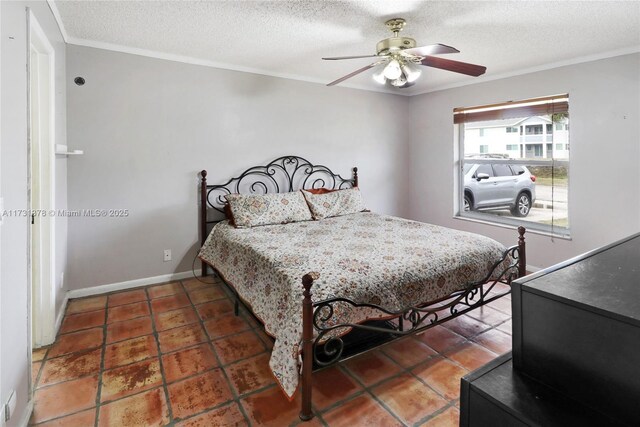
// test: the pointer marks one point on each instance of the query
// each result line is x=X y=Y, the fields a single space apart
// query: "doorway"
x=41 y=172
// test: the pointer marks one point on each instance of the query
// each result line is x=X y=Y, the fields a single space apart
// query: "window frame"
x=532 y=127
x=504 y=221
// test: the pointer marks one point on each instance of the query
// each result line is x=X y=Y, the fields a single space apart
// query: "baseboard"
x=136 y=283
x=145 y=281
x=533 y=268
x=60 y=316
x=26 y=415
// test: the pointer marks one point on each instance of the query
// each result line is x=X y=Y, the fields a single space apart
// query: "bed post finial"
x=522 y=253
x=307 y=346
x=355 y=176
x=203 y=214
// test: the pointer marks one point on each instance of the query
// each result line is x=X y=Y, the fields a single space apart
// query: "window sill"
x=530 y=229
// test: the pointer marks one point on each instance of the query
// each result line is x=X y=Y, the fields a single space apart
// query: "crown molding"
x=544 y=67
x=225 y=66
x=56 y=15
x=196 y=61
x=212 y=64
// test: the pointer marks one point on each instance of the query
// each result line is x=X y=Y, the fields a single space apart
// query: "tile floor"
x=174 y=354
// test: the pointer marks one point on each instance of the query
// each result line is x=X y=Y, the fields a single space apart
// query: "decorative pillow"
x=320 y=190
x=229 y=214
x=336 y=203
x=262 y=209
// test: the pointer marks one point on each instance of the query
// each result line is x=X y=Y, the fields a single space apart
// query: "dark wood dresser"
x=576 y=340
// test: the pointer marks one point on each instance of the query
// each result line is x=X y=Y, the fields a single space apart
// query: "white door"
x=41 y=148
x=34 y=191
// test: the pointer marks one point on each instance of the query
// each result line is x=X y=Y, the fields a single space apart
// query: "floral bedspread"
x=366 y=257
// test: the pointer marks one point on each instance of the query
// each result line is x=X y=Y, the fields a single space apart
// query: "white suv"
x=499 y=186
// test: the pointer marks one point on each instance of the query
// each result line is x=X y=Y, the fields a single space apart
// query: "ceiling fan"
x=399 y=59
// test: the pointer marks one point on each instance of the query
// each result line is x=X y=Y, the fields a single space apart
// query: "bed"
x=312 y=282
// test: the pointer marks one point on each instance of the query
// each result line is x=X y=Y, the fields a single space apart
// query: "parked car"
x=499 y=186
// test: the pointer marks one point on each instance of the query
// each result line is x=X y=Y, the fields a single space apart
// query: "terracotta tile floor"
x=175 y=354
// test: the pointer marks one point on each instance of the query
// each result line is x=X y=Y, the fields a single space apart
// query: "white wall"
x=604 y=109
x=148 y=126
x=14 y=334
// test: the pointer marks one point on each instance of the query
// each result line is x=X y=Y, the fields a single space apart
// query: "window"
x=502 y=170
x=533 y=130
x=534 y=150
x=524 y=183
x=517 y=170
x=481 y=132
x=484 y=169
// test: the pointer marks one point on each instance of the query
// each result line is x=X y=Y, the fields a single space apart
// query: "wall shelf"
x=62 y=150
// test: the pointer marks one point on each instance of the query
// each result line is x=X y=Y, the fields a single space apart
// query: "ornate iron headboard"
x=284 y=174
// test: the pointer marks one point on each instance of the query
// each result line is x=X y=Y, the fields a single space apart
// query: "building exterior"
x=536 y=137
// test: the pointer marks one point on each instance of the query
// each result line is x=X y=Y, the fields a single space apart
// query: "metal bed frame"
x=291 y=173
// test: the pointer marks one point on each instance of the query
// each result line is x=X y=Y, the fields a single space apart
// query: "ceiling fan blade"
x=335 y=58
x=432 y=49
x=356 y=72
x=455 y=66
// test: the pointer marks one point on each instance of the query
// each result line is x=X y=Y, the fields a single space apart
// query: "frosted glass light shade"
x=399 y=82
x=392 y=71
x=379 y=76
x=411 y=72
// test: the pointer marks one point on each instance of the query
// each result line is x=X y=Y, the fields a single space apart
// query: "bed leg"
x=522 y=253
x=203 y=214
x=204 y=269
x=307 y=348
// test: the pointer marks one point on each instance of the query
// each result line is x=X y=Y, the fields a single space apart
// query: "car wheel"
x=467 y=203
x=522 y=206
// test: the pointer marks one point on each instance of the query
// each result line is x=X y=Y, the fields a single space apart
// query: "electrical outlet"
x=167 y=255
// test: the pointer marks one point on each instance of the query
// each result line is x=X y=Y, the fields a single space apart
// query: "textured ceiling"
x=288 y=38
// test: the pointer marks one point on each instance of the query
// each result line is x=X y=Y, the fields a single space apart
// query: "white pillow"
x=250 y=210
x=335 y=203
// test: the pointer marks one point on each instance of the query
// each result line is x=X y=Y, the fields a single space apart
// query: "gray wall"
x=604 y=106
x=148 y=126
x=14 y=293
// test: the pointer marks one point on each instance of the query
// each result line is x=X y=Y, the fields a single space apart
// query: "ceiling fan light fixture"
x=399 y=82
x=410 y=71
x=392 y=71
x=398 y=60
x=379 y=76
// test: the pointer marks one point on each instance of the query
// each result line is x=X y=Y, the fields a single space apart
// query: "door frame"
x=43 y=300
